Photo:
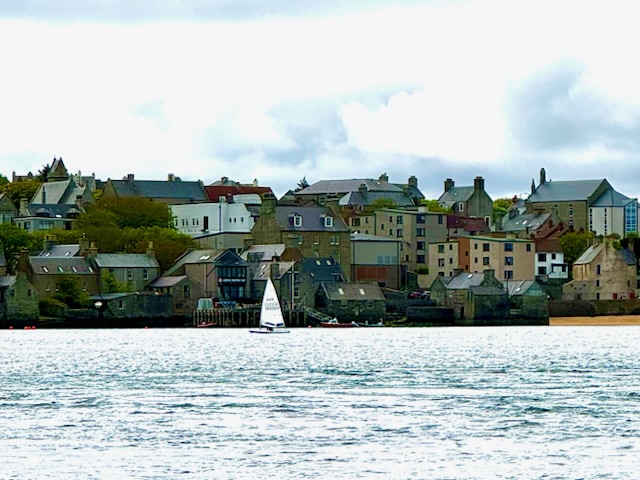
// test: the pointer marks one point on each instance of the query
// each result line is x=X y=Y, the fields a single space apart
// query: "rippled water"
x=543 y=402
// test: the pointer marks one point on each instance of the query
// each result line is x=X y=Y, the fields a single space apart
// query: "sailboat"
x=271 y=318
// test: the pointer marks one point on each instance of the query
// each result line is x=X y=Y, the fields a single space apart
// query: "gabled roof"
x=589 y=254
x=480 y=290
x=456 y=194
x=313 y=219
x=356 y=198
x=325 y=187
x=352 y=291
x=60 y=192
x=61 y=251
x=262 y=252
x=263 y=270
x=323 y=269
x=524 y=287
x=524 y=222
x=611 y=198
x=60 y=265
x=167 y=281
x=194 y=257
x=173 y=189
x=7 y=281
x=468 y=224
x=214 y=192
x=51 y=210
x=565 y=191
x=465 y=280
x=125 y=260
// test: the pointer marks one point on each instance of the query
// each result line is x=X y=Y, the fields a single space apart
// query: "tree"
x=434 y=206
x=302 y=184
x=13 y=240
x=4 y=181
x=382 y=202
x=573 y=244
x=500 y=208
x=70 y=293
x=43 y=173
x=20 y=190
x=132 y=212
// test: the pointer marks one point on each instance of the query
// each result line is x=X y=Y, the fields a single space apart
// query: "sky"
x=278 y=91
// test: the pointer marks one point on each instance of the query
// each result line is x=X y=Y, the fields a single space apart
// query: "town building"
x=171 y=191
x=468 y=201
x=377 y=259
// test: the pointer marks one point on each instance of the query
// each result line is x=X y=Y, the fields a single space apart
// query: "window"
x=186 y=291
x=460 y=206
x=508 y=274
x=145 y=273
x=440 y=248
x=328 y=221
x=399 y=220
x=399 y=233
x=598 y=269
x=420 y=232
x=528 y=247
x=441 y=262
x=46 y=225
x=542 y=257
x=542 y=270
x=508 y=247
x=129 y=274
x=420 y=259
x=316 y=240
x=486 y=247
x=508 y=260
x=553 y=256
x=420 y=246
x=485 y=260
x=297 y=220
x=440 y=219
x=420 y=218
x=355 y=222
x=597 y=283
x=450 y=261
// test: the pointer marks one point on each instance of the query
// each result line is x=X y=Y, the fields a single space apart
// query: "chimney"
x=24 y=204
x=543 y=176
x=44 y=195
x=49 y=242
x=457 y=271
x=448 y=184
x=363 y=189
x=478 y=184
x=275 y=270
x=223 y=180
x=79 y=202
x=513 y=212
x=22 y=265
x=489 y=274
x=269 y=203
x=384 y=178
x=255 y=182
x=83 y=243
x=171 y=177
x=129 y=177
x=150 y=250
x=92 y=251
x=413 y=181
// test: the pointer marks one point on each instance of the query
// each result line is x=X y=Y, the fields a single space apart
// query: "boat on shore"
x=380 y=323
x=271 y=317
x=333 y=323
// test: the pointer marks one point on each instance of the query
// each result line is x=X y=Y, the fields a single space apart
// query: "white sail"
x=271 y=318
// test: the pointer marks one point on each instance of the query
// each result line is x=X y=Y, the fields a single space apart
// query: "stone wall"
x=592 y=308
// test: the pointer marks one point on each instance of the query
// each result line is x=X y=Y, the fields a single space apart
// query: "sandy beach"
x=608 y=320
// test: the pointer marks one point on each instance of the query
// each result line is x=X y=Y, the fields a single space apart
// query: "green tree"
x=13 y=240
x=4 y=181
x=573 y=244
x=19 y=190
x=434 y=206
x=43 y=173
x=302 y=184
x=382 y=202
x=133 y=211
x=110 y=284
x=70 y=293
x=500 y=208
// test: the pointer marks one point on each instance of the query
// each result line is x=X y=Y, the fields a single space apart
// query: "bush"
x=50 y=307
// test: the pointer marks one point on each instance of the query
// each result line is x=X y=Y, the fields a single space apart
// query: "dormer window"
x=328 y=221
x=297 y=220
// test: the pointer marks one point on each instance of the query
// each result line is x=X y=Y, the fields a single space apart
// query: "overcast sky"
x=281 y=90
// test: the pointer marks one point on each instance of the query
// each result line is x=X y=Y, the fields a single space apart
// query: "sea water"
x=370 y=403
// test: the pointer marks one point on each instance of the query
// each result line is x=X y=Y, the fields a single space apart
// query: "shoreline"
x=605 y=320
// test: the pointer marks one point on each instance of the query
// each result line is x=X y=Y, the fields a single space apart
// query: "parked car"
x=422 y=294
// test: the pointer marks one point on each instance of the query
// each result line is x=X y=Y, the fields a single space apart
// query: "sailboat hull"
x=282 y=330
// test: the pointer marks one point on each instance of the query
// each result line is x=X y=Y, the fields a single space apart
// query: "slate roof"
x=7 y=281
x=60 y=265
x=175 y=189
x=168 y=281
x=60 y=192
x=61 y=251
x=262 y=252
x=346 y=186
x=125 y=260
x=263 y=270
x=323 y=269
x=358 y=199
x=611 y=198
x=52 y=210
x=465 y=280
x=589 y=254
x=353 y=291
x=476 y=290
x=565 y=191
x=524 y=221
x=524 y=287
x=312 y=219
x=456 y=194
x=468 y=224
x=365 y=237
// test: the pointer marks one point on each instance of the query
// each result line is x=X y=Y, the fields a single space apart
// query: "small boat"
x=207 y=324
x=333 y=323
x=271 y=318
x=380 y=323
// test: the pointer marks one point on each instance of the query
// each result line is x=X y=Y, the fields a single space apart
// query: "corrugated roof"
x=564 y=191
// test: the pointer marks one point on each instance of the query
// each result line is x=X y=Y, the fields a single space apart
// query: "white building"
x=204 y=219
